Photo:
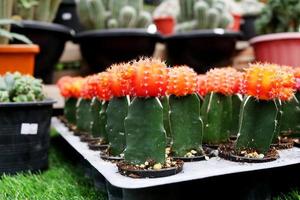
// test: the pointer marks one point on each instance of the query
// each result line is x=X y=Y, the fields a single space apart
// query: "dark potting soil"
x=284 y=143
x=229 y=153
x=138 y=171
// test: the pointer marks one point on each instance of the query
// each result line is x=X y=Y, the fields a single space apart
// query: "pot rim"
x=275 y=36
x=45 y=102
x=19 y=48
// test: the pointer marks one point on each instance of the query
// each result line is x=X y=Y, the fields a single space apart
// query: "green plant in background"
x=39 y=10
x=185 y=121
x=6 y=7
x=20 y=88
x=279 y=16
x=205 y=14
x=101 y=14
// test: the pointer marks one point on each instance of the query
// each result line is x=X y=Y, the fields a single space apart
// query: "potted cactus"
x=24 y=133
x=36 y=16
x=185 y=122
x=70 y=89
x=145 y=153
x=265 y=88
x=279 y=37
x=111 y=23
x=217 y=109
x=201 y=35
x=14 y=57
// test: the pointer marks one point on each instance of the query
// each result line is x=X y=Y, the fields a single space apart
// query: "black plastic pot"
x=102 y=48
x=24 y=136
x=248 y=26
x=51 y=38
x=202 y=49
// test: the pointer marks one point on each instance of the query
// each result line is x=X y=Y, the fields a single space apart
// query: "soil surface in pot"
x=283 y=143
x=191 y=156
x=228 y=152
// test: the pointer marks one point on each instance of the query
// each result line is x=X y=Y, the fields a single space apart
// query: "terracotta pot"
x=18 y=57
x=165 y=25
x=278 y=48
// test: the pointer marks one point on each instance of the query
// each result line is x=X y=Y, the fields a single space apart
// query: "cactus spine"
x=84 y=115
x=117 y=110
x=216 y=113
x=145 y=134
x=257 y=124
x=96 y=125
x=70 y=110
x=186 y=124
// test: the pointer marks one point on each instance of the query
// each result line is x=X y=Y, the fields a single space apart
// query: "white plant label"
x=29 y=129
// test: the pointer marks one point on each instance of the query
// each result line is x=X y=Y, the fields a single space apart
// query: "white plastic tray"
x=191 y=171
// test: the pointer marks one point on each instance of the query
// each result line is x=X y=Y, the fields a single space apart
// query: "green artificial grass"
x=61 y=181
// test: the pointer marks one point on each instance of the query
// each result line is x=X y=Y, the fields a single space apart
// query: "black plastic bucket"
x=24 y=136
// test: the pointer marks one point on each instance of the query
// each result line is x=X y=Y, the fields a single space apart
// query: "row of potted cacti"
x=142 y=107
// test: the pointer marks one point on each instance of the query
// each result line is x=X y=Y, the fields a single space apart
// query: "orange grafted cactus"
x=70 y=86
x=202 y=85
x=269 y=81
x=149 y=78
x=103 y=91
x=89 y=87
x=120 y=75
x=227 y=81
x=182 y=81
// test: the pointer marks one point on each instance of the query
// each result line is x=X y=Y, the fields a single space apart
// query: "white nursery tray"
x=191 y=171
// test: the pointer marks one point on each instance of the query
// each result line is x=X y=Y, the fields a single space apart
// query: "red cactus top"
x=202 y=85
x=148 y=78
x=70 y=86
x=103 y=91
x=182 y=81
x=269 y=81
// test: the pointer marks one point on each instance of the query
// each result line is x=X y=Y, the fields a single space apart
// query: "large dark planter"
x=24 y=136
x=102 y=48
x=248 y=26
x=202 y=49
x=51 y=38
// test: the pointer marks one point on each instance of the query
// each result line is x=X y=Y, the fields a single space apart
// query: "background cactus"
x=6 y=7
x=185 y=122
x=102 y=14
x=205 y=14
x=70 y=110
x=40 y=10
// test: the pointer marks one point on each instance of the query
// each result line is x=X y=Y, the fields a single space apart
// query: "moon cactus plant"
x=216 y=111
x=70 y=90
x=144 y=127
x=266 y=87
x=185 y=121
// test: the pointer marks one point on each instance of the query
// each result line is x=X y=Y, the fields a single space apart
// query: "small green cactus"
x=70 y=110
x=186 y=124
x=84 y=115
x=213 y=18
x=128 y=17
x=145 y=134
x=200 y=10
x=116 y=111
x=258 y=121
x=216 y=113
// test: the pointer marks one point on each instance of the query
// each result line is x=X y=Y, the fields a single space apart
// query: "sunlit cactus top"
x=227 y=81
x=269 y=81
x=120 y=79
x=103 y=91
x=182 y=81
x=70 y=86
x=202 y=85
x=149 y=78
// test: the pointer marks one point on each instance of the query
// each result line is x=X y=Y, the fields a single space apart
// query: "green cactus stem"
x=186 y=10
x=98 y=14
x=42 y=10
x=145 y=134
x=213 y=18
x=278 y=123
x=116 y=111
x=70 y=110
x=128 y=17
x=103 y=122
x=96 y=106
x=236 y=105
x=137 y=5
x=200 y=12
x=216 y=113
x=112 y=23
x=115 y=6
x=257 y=124
x=225 y=20
x=290 y=122
x=186 y=124
x=84 y=115
x=186 y=26
x=166 y=109
x=144 y=19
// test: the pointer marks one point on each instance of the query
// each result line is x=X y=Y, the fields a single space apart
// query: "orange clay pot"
x=18 y=57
